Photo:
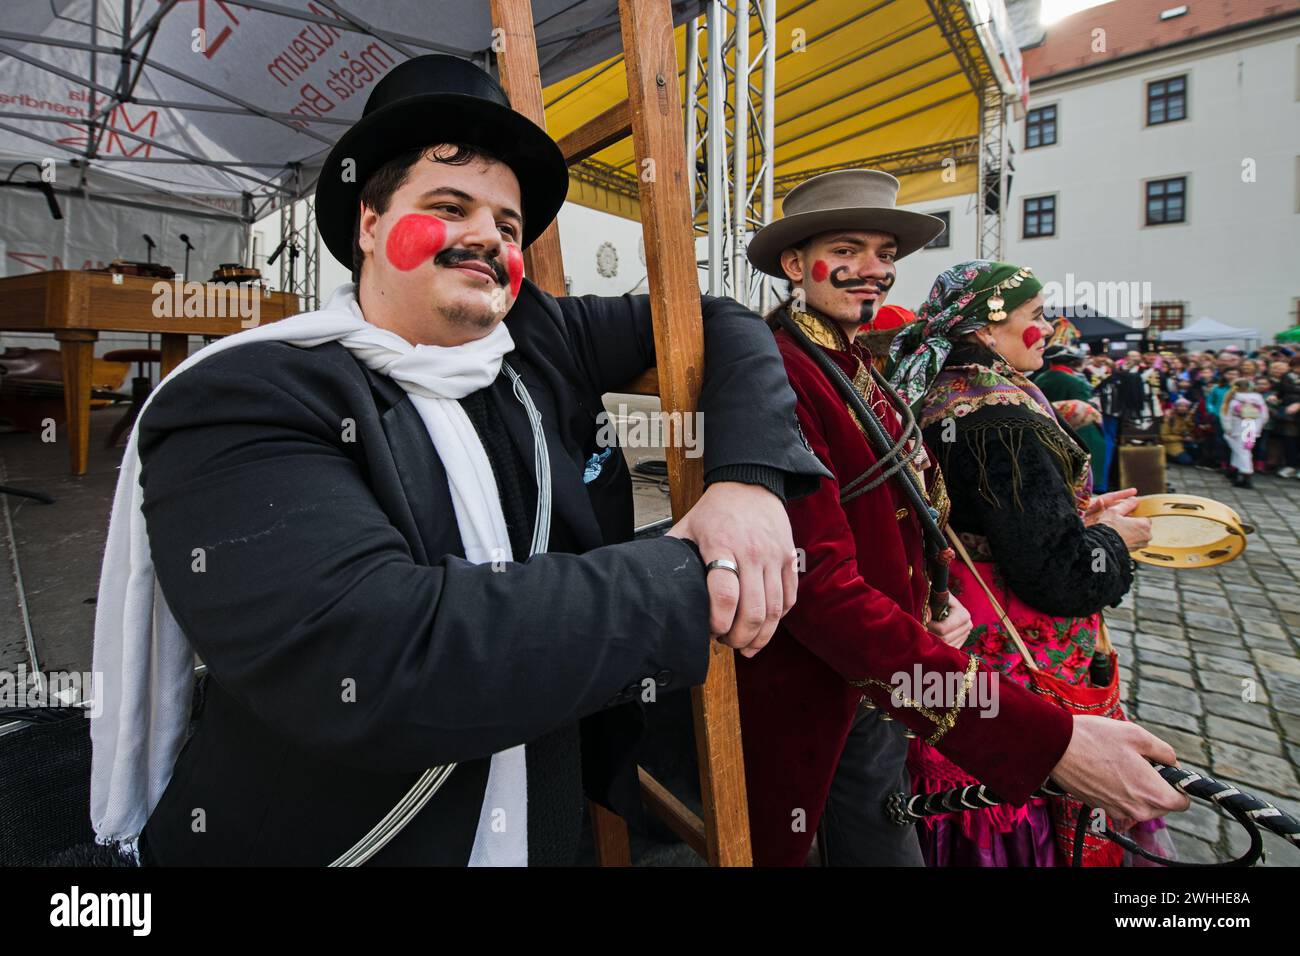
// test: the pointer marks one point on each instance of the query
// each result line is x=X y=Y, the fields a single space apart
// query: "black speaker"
x=44 y=784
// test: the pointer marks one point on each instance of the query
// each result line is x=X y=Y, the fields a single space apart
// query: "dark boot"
x=1242 y=481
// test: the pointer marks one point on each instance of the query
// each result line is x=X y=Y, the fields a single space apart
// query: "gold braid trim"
x=822 y=331
x=943 y=723
x=950 y=719
x=908 y=702
x=863 y=383
x=864 y=386
x=938 y=493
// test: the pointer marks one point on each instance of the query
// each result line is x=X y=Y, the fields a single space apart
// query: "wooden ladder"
x=652 y=113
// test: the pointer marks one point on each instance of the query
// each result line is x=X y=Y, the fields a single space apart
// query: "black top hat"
x=438 y=99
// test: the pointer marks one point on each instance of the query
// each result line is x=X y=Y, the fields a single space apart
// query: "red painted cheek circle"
x=819 y=271
x=514 y=267
x=414 y=240
x=1031 y=336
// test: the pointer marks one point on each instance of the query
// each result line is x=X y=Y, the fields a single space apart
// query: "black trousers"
x=855 y=829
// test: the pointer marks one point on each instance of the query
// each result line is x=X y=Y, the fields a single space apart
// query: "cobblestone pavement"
x=1210 y=661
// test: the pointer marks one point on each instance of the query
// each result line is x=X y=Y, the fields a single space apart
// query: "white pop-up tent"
x=106 y=219
x=212 y=112
x=236 y=104
x=1206 y=329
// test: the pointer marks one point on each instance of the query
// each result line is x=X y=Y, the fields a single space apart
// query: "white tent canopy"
x=1206 y=329
x=236 y=104
x=164 y=117
x=109 y=220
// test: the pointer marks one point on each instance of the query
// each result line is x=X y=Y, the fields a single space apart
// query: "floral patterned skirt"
x=1040 y=832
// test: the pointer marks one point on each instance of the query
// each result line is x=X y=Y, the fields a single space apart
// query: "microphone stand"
x=188 y=248
x=39 y=185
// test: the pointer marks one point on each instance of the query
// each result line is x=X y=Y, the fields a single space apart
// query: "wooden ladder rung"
x=676 y=815
x=598 y=132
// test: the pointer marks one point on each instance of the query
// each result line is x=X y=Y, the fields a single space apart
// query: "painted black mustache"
x=840 y=281
x=868 y=308
x=454 y=257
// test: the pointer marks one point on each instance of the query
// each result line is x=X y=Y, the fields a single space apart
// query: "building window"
x=1167 y=100
x=942 y=240
x=1166 y=201
x=1040 y=217
x=1165 y=316
x=1040 y=127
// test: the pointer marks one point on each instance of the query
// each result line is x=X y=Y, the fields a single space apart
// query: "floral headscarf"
x=960 y=301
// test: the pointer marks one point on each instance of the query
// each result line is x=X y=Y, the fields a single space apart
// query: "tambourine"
x=1190 y=532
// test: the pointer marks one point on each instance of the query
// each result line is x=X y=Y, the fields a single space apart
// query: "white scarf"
x=146 y=660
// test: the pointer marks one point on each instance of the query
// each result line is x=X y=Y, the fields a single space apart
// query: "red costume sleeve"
x=865 y=636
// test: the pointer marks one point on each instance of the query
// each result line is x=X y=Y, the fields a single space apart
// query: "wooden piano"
x=76 y=306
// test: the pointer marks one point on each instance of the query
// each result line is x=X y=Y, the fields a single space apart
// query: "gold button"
x=900 y=514
x=909 y=570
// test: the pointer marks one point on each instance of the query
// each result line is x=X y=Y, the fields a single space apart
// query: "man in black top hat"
x=367 y=484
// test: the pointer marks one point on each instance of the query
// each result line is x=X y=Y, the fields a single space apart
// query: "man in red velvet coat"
x=824 y=706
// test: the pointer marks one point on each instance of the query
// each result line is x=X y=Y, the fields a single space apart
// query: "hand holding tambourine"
x=1100 y=503
x=1115 y=509
x=1188 y=531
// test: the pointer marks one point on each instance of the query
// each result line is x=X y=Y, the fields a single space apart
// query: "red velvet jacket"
x=855 y=624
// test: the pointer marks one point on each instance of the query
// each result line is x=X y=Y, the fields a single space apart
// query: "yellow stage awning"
x=858 y=83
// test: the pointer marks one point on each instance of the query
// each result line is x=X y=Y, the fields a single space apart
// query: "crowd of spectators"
x=1229 y=411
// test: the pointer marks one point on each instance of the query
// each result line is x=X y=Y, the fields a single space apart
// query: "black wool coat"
x=349 y=644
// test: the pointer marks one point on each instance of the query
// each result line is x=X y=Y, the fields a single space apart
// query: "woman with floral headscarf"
x=1053 y=556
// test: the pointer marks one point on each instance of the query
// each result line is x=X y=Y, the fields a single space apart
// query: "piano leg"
x=77 y=349
x=175 y=349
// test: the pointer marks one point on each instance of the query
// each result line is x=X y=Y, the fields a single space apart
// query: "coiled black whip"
x=888 y=455
x=1247 y=809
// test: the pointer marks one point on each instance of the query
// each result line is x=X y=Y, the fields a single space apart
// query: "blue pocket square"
x=594 y=465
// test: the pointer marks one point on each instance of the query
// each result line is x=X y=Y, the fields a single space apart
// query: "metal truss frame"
x=729 y=137
x=303 y=241
x=959 y=28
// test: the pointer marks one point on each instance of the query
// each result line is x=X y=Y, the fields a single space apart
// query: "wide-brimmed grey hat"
x=859 y=199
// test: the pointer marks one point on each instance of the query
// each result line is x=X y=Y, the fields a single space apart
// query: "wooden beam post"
x=655 y=108
x=659 y=141
x=522 y=80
